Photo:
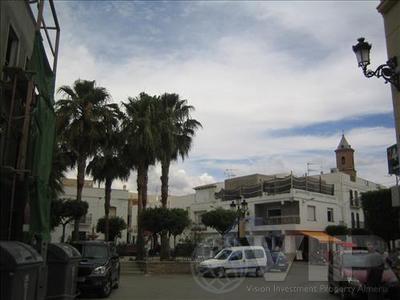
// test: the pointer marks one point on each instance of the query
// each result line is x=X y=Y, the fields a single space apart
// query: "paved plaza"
x=186 y=287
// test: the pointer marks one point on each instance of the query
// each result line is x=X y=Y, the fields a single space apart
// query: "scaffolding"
x=23 y=95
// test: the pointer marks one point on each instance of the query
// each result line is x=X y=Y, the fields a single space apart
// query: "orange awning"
x=321 y=236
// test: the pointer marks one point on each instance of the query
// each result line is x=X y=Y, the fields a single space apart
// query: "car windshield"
x=224 y=254
x=93 y=251
x=365 y=260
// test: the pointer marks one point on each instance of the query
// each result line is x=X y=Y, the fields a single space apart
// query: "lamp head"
x=362 y=50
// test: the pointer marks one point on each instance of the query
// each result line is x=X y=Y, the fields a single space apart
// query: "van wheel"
x=259 y=272
x=220 y=273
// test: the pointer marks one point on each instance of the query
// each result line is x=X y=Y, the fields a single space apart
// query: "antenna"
x=311 y=168
x=229 y=173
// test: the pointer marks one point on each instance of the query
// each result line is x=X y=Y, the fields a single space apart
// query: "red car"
x=354 y=273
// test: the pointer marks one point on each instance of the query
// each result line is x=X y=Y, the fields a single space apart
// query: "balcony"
x=86 y=220
x=355 y=203
x=278 y=220
x=277 y=186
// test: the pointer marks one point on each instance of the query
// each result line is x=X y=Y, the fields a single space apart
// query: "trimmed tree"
x=222 y=220
x=64 y=212
x=179 y=221
x=116 y=225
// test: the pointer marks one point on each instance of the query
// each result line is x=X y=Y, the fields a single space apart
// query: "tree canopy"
x=116 y=225
x=222 y=220
x=62 y=212
x=381 y=218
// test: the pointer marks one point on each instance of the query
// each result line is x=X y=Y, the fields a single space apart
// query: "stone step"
x=131 y=268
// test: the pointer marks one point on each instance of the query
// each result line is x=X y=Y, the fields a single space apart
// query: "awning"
x=321 y=236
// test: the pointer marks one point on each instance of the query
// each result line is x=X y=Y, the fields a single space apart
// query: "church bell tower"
x=345 y=158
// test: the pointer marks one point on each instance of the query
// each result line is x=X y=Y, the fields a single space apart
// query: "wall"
x=95 y=199
x=390 y=11
x=19 y=16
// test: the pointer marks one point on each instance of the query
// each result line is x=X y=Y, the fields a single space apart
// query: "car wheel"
x=344 y=295
x=259 y=272
x=106 y=289
x=331 y=289
x=220 y=273
x=116 y=284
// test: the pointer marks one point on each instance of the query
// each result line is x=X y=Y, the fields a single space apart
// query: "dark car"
x=357 y=273
x=99 y=268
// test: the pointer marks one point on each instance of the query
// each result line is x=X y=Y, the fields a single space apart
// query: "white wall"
x=95 y=199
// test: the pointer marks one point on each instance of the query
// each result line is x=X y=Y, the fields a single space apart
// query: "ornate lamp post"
x=242 y=209
x=387 y=71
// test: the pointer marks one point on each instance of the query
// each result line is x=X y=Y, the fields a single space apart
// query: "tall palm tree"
x=108 y=163
x=176 y=129
x=140 y=129
x=79 y=115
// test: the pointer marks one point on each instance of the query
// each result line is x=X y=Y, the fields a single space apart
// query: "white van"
x=236 y=260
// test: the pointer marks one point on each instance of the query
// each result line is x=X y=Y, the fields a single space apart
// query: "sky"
x=274 y=83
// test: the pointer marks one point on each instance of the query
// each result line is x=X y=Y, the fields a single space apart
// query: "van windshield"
x=223 y=254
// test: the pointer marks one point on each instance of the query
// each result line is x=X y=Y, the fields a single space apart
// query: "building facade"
x=390 y=11
x=282 y=208
x=94 y=196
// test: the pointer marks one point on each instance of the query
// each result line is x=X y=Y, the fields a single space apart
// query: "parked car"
x=279 y=261
x=236 y=260
x=350 y=273
x=99 y=268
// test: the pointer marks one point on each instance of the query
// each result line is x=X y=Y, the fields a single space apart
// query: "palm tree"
x=79 y=115
x=108 y=163
x=140 y=130
x=177 y=129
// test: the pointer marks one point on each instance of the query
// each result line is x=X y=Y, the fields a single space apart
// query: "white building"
x=94 y=196
x=283 y=207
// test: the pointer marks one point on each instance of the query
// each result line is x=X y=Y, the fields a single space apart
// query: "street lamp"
x=387 y=71
x=241 y=209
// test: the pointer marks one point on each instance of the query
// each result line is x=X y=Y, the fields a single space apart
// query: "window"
x=311 y=213
x=237 y=255
x=12 y=48
x=343 y=160
x=253 y=254
x=330 y=215
x=352 y=220
x=358 y=220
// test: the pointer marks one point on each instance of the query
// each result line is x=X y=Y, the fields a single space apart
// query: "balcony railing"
x=355 y=203
x=277 y=186
x=279 y=220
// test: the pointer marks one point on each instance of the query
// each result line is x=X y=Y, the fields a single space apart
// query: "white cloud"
x=244 y=86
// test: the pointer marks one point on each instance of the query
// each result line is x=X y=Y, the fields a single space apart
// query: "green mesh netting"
x=41 y=141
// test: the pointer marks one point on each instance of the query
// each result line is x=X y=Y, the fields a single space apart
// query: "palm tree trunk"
x=79 y=187
x=164 y=182
x=144 y=185
x=164 y=253
x=140 y=234
x=63 y=232
x=108 y=184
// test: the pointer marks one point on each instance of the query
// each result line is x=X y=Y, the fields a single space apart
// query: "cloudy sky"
x=274 y=83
